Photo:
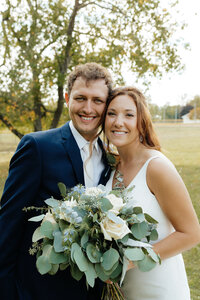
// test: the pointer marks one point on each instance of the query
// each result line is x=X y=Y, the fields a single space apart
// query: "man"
x=41 y=160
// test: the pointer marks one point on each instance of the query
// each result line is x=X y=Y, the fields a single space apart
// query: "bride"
x=159 y=190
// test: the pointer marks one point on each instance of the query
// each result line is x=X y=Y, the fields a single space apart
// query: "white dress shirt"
x=92 y=167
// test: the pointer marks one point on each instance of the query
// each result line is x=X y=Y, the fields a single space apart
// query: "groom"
x=43 y=159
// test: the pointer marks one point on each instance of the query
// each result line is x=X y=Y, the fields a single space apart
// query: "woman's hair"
x=147 y=133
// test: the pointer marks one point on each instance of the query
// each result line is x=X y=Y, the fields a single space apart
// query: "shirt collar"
x=81 y=141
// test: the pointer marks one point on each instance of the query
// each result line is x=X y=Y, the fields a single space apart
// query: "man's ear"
x=67 y=98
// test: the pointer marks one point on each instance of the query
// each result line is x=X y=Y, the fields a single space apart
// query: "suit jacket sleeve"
x=19 y=192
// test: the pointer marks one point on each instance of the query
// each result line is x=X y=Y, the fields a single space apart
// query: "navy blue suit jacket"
x=41 y=160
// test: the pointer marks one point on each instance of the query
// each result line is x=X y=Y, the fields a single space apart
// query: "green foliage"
x=42 y=41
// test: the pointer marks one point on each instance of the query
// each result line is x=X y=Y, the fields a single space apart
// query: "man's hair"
x=90 y=71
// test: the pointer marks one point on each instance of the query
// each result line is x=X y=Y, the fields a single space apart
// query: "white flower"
x=116 y=202
x=93 y=192
x=70 y=203
x=115 y=230
x=49 y=217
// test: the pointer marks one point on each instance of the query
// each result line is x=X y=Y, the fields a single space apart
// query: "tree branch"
x=10 y=126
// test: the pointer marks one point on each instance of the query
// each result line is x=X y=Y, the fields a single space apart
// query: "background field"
x=181 y=143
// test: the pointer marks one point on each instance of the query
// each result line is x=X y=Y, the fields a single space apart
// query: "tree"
x=195 y=114
x=186 y=109
x=42 y=41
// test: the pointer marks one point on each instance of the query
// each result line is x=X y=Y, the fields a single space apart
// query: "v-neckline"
x=136 y=173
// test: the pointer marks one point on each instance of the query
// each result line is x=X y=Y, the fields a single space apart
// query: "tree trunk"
x=59 y=108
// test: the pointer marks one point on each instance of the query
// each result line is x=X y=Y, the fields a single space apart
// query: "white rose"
x=115 y=230
x=116 y=202
x=93 y=191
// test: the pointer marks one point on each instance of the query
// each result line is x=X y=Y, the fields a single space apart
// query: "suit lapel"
x=73 y=152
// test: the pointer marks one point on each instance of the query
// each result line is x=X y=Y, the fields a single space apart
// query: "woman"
x=158 y=189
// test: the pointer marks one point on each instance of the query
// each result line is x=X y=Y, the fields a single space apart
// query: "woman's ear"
x=67 y=98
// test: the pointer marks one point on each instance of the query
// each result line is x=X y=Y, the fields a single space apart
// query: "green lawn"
x=181 y=143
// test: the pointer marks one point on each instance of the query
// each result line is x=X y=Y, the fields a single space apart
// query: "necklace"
x=119 y=181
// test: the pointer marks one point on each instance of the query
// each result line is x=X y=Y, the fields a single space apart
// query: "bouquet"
x=95 y=234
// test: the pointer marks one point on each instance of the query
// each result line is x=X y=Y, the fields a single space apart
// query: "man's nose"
x=88 y=106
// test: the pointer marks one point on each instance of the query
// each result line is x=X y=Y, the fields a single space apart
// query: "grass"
x=181 y=143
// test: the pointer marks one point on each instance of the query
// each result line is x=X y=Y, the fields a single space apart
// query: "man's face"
x=86 y=105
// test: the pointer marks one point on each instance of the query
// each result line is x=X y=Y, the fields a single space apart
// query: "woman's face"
x=121 y=121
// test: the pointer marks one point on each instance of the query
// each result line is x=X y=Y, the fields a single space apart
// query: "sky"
x=177 y=88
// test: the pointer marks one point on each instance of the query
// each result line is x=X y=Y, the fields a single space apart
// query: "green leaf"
x=37 y=218
x=52 y=202
x=75 y=272
x=146 y=264
x=73 y=249
x=137 y=210
x=80 y=259
x=57 y=243
x=90 y=274
x=84 y=239
x=153 y=255
x=54 y=269
x=62 y=189
x=114 y=218
x=110 y=258
x=95 y=217
x=134 y=254
x=139 y=230
x=154 y=235
x=150 y=219
x=93 y=254
x=109 y=272
x=100 y=272
x=37 y=235
x=105 y=204
x=47 y=229
x=116 y=272
x=57 y=258
x=42 y=263
x=64 y=266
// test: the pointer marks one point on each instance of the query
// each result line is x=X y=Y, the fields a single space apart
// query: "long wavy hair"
x=147 y=133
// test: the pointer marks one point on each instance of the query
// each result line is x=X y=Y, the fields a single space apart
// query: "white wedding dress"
x=167 y=281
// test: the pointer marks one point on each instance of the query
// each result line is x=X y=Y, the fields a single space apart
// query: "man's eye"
x=98 y=101
x=79 y=98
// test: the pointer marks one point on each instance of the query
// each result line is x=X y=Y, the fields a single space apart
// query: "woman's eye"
x=110 y=113
x=130 y=115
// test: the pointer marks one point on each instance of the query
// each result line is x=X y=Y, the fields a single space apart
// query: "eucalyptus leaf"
x=114 y=218
x=54 y=269
x=100 y=272
x=52 y=202
x=134 y=254
x=110 y=257
x=57 y=243
x=62 y=189
x=80 y=259
x=146 y=264
x=93 y=254
x=105 y=204
x=73 y=249
x=139 y=230
x=124 y=269
x=84 y=239
x=116 y=272
x=37 y=235
x=47 y=229
x=137 y=210
x=64 y=266
x=57 y=258
x=150 y=219
x=90 y=274
x=154 y=235
x=37 y=218
x=75 y=272
x=109 y=272
x=42 y=263
x=153 y=255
